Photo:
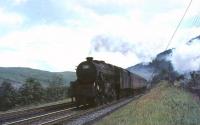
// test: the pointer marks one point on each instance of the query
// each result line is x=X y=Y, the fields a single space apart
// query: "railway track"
x=72 y=116
x=45 y=118
x=92 y=115
x=27 y=113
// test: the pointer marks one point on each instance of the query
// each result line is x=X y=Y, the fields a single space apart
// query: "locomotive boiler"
x=99 y=82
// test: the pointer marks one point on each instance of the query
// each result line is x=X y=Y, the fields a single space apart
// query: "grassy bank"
x=163 y=105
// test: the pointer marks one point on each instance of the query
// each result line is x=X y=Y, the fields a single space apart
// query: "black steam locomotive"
x=99 y=82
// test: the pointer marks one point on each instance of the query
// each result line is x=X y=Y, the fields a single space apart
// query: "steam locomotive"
x=99 y=82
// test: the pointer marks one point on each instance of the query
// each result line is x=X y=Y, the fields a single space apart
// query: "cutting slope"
x=163 y=105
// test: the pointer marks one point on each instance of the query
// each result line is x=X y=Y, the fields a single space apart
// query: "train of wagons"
x=99 y=82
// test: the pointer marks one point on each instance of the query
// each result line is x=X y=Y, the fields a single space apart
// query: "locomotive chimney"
x=89 y=59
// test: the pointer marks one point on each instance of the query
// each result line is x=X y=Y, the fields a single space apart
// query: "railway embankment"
x=163 y=105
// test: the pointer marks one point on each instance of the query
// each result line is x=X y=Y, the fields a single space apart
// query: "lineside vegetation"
x=31 y=93
x=163 y=105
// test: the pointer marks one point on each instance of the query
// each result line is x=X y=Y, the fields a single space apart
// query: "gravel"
x=94 y=116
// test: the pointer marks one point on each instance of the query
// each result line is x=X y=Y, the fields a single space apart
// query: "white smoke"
x=186 y=57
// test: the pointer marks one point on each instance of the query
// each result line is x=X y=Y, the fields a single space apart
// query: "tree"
x=31 y=91
x=7 y=96
x=56 y=89
x=57 y=80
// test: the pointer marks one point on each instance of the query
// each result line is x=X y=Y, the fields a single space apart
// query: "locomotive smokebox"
x=89 y=59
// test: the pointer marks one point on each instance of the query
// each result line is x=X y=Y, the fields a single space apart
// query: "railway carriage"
x=99 y=82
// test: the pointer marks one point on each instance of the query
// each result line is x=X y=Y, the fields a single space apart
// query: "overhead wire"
x=198 y=21
x=176 y=30
x=175 y=33
x=178 y=24
x=195 y=19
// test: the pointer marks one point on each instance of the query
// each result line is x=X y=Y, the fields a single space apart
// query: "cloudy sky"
x=56 y=35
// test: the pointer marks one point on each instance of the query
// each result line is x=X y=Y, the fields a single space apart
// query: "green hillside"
x=18 y=75
x=163 y=105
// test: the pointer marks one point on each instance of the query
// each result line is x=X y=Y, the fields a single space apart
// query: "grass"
x=163 y=105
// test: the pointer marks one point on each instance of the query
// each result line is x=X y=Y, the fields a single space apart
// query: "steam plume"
x=110 y=44
x=186 y=57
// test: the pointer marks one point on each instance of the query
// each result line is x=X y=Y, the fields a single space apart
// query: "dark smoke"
x=191 y=41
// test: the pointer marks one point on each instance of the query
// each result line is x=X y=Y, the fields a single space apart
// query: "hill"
x=18 y=75
x=163 y=105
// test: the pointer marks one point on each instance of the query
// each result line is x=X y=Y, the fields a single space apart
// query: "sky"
x=56 y=35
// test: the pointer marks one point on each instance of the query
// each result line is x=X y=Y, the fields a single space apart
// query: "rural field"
x=163 y=105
